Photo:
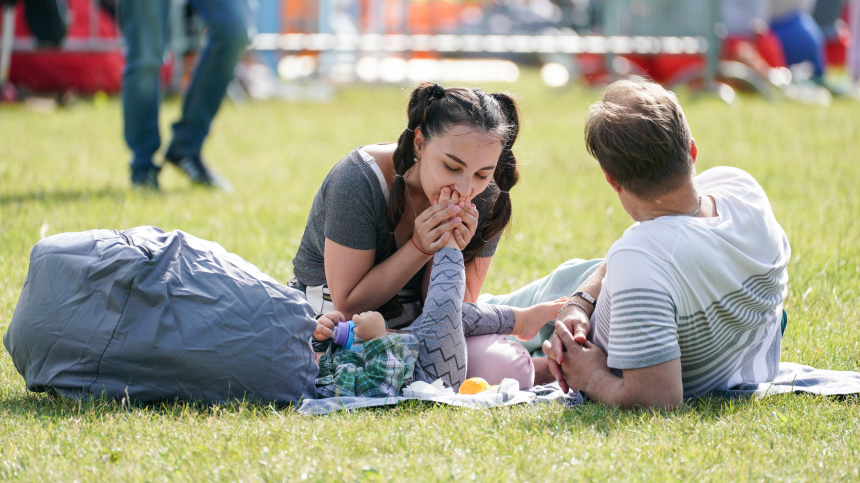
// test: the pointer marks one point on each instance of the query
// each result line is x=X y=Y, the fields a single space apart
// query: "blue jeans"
x=144 y=25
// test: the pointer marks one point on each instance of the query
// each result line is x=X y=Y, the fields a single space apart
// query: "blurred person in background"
x=145 y=29
x=853 y=59
x=828 y=15
x=749 y=40
x=801 y=38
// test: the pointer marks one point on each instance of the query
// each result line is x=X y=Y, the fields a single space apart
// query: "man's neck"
x=683 y=201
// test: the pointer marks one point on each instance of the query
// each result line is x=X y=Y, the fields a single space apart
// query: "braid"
x=403 y=159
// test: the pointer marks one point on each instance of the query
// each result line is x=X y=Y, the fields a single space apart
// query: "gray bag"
x=156 y=316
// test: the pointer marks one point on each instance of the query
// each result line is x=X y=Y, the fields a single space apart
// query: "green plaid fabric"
x=379 y=370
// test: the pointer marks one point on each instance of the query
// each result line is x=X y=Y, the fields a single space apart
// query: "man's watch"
x=586 y=296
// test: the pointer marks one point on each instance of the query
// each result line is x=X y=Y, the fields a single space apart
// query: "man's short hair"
x=639 y=135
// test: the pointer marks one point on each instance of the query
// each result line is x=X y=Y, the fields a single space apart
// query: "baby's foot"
x=446 y=195
x=451 y=197
x=527 y=322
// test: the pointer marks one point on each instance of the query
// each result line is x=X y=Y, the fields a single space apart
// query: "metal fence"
x=443 y=27
x=610 y=27
x=638 y=19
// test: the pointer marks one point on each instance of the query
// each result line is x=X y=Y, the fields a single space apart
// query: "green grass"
x=67 y=171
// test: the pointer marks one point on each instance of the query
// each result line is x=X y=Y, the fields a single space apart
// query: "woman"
x=375 y=222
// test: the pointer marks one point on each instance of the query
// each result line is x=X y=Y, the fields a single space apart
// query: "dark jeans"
x=144 y=25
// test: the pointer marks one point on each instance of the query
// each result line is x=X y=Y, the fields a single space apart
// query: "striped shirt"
x=707 y=290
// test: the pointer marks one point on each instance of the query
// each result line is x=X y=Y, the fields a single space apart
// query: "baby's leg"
x=442 y=348
x=484 y=319
x=523 y=323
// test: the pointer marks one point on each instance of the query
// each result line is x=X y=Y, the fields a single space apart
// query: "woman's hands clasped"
x=463 y=232
x=449 y=216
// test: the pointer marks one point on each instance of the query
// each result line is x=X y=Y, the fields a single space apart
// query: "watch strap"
x=587 y=297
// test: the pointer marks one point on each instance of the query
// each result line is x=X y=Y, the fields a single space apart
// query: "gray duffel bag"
x=156 y=316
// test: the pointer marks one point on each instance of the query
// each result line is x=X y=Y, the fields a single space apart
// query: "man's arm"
x=584 y=368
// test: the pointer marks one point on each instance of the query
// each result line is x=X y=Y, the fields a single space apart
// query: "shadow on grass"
x=607 y=420
x=80 y=195
x=52 y=405
x=590 y=415
x=702 y=410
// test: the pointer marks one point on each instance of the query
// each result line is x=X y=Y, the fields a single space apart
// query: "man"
x=690 y=298
x=144 y=26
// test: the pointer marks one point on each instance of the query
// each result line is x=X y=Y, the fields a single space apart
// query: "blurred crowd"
x=787 y=45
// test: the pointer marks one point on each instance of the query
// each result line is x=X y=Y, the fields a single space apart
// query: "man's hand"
x=580 y=363
x=576 y=322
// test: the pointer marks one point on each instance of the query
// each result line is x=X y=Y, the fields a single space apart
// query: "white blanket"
x=792 y=378
x=506 y=394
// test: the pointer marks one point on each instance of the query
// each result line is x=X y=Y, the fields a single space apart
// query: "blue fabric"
x=144 y=26
x=802 y=40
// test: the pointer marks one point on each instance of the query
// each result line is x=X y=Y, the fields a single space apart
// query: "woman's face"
x=463 y=159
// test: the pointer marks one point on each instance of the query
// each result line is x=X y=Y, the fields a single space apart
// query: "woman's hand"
x=466 y=230
x=433 y=226
x=468 y=213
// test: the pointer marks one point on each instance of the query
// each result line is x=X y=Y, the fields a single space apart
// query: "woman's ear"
x=418 y=140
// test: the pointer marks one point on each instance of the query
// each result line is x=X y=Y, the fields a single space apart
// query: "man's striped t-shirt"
x=707 y=290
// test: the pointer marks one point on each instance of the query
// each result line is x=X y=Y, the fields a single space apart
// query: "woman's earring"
x=415 y=159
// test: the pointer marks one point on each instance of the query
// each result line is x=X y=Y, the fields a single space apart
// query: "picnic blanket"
x=792 y=378
x=507 y=394
x=797 y=378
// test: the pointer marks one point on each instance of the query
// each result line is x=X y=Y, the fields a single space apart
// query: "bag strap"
x=376 y=169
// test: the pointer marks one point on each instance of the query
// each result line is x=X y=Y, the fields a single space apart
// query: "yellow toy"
x=474 y=385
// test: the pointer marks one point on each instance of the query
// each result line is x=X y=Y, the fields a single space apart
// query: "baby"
x=382 y=369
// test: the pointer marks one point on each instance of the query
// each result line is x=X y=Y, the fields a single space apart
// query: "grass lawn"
x=67 y=171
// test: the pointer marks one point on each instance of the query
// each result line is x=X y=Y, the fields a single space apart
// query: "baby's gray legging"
x=446 y=321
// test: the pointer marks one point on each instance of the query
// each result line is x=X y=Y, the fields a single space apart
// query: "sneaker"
x=199 y=173
x=146 y=178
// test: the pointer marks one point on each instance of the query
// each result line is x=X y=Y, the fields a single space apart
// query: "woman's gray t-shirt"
x=349 y=209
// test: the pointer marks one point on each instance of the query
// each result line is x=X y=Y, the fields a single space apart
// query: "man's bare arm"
x=584 y=368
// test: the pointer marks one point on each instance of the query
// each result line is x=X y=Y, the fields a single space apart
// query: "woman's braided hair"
x=435 y=110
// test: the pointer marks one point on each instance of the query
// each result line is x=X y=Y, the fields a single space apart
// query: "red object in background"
x=57 y=70
x=668 y=68
x=770 y=49
x=767 y=46
x=662 y=68
x=836 y=48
